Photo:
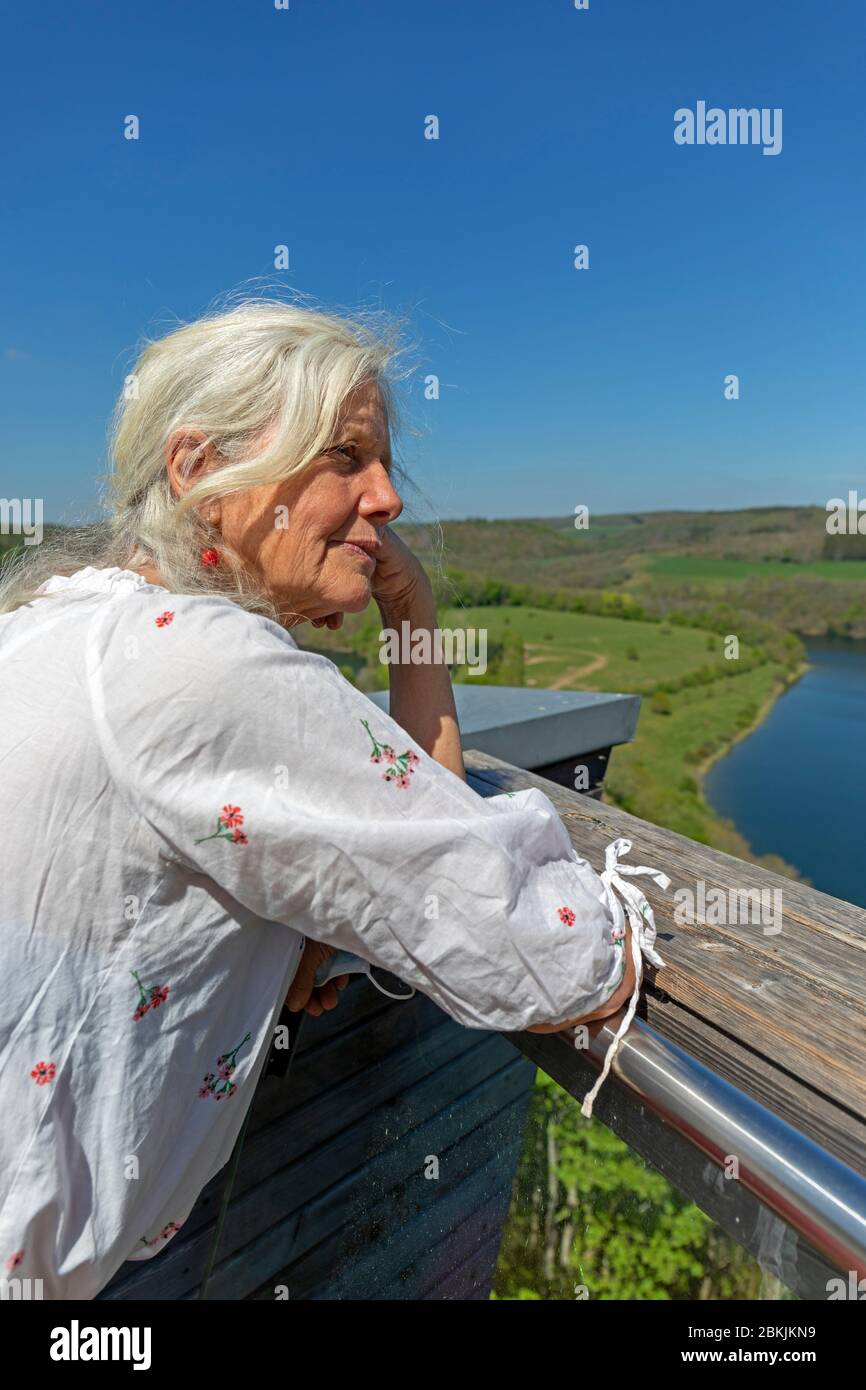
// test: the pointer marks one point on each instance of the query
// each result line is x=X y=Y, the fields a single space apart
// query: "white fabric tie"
x=643 y=936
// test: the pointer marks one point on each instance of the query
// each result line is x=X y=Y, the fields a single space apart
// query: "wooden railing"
x=748 y=1049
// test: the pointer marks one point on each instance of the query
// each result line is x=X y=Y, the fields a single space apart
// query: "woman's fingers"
x=325 y=998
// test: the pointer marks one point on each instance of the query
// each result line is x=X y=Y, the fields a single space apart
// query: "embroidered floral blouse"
x=187 y=796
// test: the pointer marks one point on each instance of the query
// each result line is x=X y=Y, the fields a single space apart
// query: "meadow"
x=587 y=652
x=695 y=568
x=695 y=703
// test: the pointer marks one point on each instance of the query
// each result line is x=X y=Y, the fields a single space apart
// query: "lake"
x=796 y=786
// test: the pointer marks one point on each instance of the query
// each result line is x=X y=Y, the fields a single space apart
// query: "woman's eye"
x=345 y=451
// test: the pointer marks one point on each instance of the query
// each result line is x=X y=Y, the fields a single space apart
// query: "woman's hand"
x=399 y=578
x=618 y=1000
x=303 y=993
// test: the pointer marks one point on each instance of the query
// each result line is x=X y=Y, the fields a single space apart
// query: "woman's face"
x=313 y=539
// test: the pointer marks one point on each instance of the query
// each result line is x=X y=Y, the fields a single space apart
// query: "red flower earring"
x=210 y=556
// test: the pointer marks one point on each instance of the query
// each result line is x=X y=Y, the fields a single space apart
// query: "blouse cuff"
x=643 y=936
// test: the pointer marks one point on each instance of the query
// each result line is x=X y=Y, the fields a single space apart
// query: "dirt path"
x=575 y=673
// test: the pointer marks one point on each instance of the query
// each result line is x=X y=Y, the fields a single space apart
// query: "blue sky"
x=306 y=127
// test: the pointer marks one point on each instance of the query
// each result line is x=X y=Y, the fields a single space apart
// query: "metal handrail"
x=814 y=1192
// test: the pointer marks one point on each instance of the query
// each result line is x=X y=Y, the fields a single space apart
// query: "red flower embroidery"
x=163 y=1235
x=400 y=765
x=567 y=916
x=43 y=1072
x=210 y=556
x=225 y=1066
x=227 y=827
x=158 y=995
x=14 y=1260
x=164 y=619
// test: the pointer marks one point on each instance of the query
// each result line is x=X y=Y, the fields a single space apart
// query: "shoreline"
x=745 y=850
x=703 y=768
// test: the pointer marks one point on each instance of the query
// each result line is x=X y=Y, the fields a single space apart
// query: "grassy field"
x=658 y=776
x=709 y=567
x=577 y=651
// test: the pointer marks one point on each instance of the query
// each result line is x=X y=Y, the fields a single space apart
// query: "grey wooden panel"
x=463 y=1265
x=383 y=1267
x=473 y=1279
x=367 y=1210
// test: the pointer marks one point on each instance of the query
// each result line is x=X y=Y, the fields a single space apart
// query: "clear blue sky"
x=305 y=127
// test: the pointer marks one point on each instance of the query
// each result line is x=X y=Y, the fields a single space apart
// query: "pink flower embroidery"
x=227 y=827
x=400 y=765
x=164 y=619
x=163 y=1235
x=148 y=999
x=567 y=916
x=14 y=1260
x=43 y=1072
x=617 y=935
x=226 y=1065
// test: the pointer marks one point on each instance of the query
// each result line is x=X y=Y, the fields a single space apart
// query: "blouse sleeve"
x=259 y=765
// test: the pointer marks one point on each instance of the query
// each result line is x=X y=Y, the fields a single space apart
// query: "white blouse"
x=187 y=796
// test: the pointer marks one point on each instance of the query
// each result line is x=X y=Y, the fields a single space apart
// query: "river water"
x=797 y=785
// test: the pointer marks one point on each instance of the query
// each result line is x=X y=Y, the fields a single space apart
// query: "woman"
x=190 y=795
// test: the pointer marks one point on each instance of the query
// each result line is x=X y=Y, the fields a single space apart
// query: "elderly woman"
x=190 y=796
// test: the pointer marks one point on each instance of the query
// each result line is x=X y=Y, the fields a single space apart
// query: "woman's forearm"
x=422 y=701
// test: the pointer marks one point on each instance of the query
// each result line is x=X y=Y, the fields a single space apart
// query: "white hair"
x=260 y=365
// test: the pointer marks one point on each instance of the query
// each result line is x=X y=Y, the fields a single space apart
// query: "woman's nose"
x=381 y=498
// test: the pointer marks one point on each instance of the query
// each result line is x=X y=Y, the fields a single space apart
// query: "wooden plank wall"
x=331 y=1199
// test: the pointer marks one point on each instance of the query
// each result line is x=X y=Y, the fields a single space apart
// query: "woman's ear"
x=186 y=460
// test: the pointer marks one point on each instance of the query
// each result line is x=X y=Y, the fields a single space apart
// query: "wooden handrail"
x=782 y=1017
